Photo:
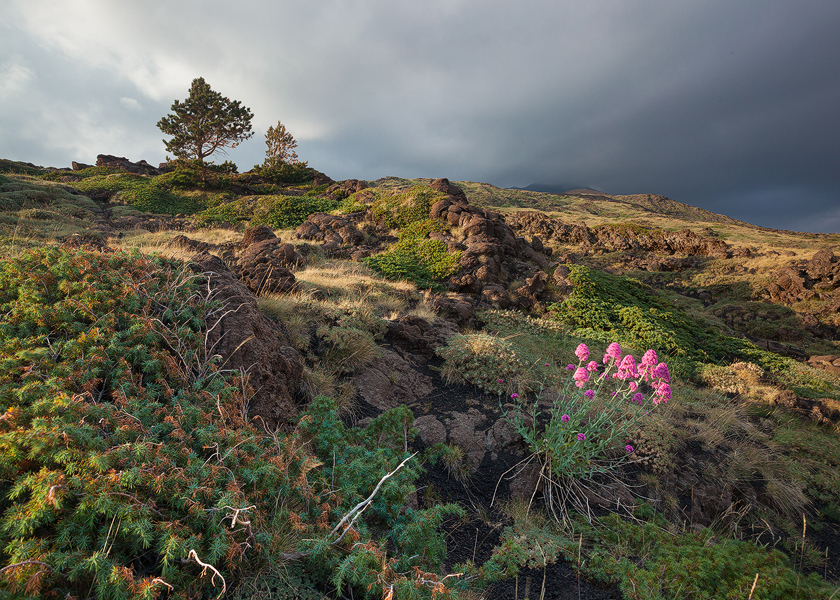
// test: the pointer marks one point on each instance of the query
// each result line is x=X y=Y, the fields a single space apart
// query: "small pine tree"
x=281 y=146
x=205 y=123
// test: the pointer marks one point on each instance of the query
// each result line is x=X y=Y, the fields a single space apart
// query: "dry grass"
x=324 y=382
x=156 y=243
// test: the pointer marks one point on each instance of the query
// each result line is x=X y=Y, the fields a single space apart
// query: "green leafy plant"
x=401 y=209
x=287 y=212
x=649 y=563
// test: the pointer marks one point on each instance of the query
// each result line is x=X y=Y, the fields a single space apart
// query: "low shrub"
x=128 y=463
x=649 y=563
x=416 y=258
x=295 y=172
x=288 y=212
x=608 y=307
x=401 y=209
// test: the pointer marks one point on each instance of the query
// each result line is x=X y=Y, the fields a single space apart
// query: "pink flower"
x=514 y=395
x=592 y=366
x=582 y=352
x=581 y=376
x=638 y=398
x=501 y=381
x=661 y=372
x=570 y=367
x=546 y=364
x=633 y=386
x=627 y=368
x=613 y=351
x=649 y=358
x=662 y=393
x=565 y=418
x=629 y=448
x=581 y=437
x=589 y=394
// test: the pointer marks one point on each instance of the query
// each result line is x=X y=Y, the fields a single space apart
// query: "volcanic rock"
x=250 y=343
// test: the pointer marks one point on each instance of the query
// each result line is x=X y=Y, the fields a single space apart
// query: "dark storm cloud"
x=729 y=106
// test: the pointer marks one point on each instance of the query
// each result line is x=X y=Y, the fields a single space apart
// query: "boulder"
x=265 y=267
x=391 y=381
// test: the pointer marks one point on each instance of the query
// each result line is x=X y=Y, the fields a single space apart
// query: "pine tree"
x=205 y=123
x=281 y=146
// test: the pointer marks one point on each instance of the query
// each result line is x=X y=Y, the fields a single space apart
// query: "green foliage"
x=145 y=193
x=205 y=123
x=611 y=307
x=287 y=212
x=18 y=168
x=123 y=448
x=354 y=463
x=226 y=211
x=56 y=175
x=295 y=172
x=280 y=146
x=529 y=543
x=400 y=209
x=416 y=258
x=649 y=563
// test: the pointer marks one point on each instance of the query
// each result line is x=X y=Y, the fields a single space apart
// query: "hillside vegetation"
x=274 y=385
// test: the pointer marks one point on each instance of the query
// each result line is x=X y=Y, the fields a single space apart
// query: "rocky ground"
x=520 y=261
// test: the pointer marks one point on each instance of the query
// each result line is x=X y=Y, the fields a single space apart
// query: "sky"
x=729 y=106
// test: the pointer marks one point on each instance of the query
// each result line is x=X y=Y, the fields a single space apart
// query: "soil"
x=473 y=538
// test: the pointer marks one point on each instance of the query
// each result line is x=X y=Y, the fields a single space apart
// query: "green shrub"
x=355 y=461
x=609 y=307
x=155 y=200
x=288 y=212
x=416 y=258
x=295 y=172
x=649 y=563
x=231 y=211
x=83 y=173
x=400 y=209
x=18 y=168
x=125 y=461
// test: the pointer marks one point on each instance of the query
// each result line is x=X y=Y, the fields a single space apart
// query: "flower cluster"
x=596 y=415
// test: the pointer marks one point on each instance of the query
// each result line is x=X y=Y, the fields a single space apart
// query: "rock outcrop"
x=266 y=263
x=120 y=162
x=616 y=238
x=250 y=343
x=817 y=278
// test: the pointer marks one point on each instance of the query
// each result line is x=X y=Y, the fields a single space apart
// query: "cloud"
x=131 y=104
x=13 y=79
x=701 y=101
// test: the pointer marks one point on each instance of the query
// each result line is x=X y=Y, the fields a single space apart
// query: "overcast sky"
x=731 y=105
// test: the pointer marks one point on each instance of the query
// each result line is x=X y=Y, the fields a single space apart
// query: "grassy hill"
x=441 y=446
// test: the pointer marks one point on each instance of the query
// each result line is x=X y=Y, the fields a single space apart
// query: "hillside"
x=275 y=385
